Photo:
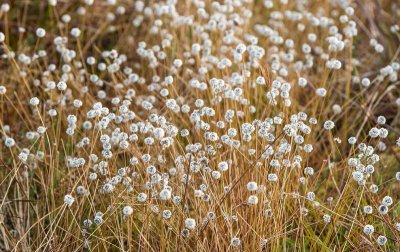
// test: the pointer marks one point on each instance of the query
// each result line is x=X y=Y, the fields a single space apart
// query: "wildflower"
x=87 y=223
x=311 y=196
x=383 y=209
x=40 y=32
x=5 y=7
x=368 y=210
x=235 y=242
x=326 y=218
x=167 y=214
x=321 y=92
x=98 y=219
x=374 y=132
x=23 y=156
x=381 y=240
x=365 y=82
x=52 y=2
x=9 y=142
x=75 y=32
x=34 y=101
x=142 y=197
x=302 y=82
x=68 y=200
x=252 y=186
x=61 y=86
x=41 y=130
x=80 y=190
x=127 y=210
x=108 y=188
x=3 y=89
x=223 y=166
x=252 y=200
x=328 y=125
x=190 y=223
x=358 y=176
x=387 y=201
x=268 y=213
x=165 y=194
x=373 y=188
x=368 y=229
x=397 y=176
x=336 y=109
x=352 y=140
x=272 y=177
x=309 y=171
x=77 y=103
x=216 y=174
x=52 y=112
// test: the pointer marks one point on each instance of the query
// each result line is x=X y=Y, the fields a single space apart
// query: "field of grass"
x=199 y=125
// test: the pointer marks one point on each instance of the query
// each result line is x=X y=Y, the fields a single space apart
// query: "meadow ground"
x=199 y=125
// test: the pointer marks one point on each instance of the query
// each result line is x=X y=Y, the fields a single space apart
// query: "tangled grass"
x=249 y=125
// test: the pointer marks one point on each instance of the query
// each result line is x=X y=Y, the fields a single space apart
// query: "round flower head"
x=397 y=225
x=235 y=242
x=268 y=213
x=373 y=188
x=223 y=166
x=328 y=125
x=358 y=176
x=127 y=210
x=397 y=176
x=337 y=109
x=326 y=218
x=368 y=229
x=216 y=175
x=252 y=186
x=80 y=190
x=252 y=200
x=98 y=219
x=383 y=209
x=321 y=92
x=142 y=197
x=368 y=210
x=190 y=223
x=374 y=132
x=260 y=80
x=272 y=177
x=68 y=200
x=52 y=2
x=365 y=82
x=9 y=142
x=61 y=86
x=387 y=201
x=381 y=120
x=165 y=194
x=87 y=223
x=40 y=32
x=3 y=89
x=75 y=32
x=302 y=82
x=352 y=140
x=34 y=101
x=66 y=18
x=381 y=240
x=52 y=112
x=166 y=214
